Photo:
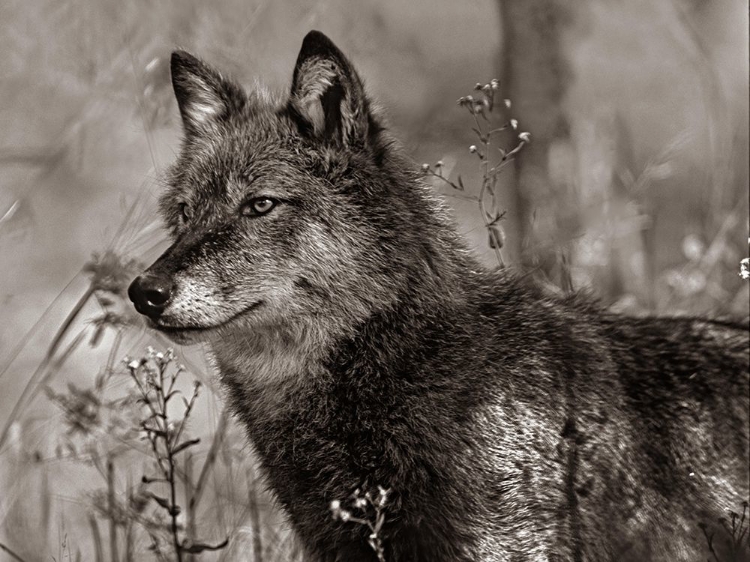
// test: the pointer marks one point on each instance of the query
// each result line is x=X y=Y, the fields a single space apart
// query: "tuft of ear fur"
x=328 y=98
x=204 y=97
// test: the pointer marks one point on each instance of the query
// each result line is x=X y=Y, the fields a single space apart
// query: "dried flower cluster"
x=365 y=509
x=492 y=158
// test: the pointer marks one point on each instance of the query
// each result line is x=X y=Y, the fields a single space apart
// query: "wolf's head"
x=284 y=211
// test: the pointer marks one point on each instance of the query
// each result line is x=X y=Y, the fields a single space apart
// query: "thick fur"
x=362 y=345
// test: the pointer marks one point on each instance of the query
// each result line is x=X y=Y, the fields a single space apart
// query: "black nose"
x=150 y=294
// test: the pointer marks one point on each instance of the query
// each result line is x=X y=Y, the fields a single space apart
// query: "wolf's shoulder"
x=507 y=298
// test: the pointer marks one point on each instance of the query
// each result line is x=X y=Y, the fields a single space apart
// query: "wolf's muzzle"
x=150 y=294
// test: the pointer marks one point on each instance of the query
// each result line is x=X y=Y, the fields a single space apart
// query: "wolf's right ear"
x=328 y=99
x=203 y=95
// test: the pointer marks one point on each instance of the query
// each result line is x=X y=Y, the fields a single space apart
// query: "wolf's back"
x=683 y=388
x=613 y=437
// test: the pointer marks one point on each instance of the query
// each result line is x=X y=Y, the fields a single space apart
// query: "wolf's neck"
x=261 y=366
x=270 y=370
x=326 y=414
x=297 y=401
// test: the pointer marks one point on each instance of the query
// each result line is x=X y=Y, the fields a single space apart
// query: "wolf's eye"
x=184 y=212
x=258 y=206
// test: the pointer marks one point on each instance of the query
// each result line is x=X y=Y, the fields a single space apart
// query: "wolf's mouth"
x=187 y=331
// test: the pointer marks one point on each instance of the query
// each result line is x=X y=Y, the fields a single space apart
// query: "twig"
x=98 y=550
x=255 y=521
x=112 y=510
x=710 y=541
x=210 y=459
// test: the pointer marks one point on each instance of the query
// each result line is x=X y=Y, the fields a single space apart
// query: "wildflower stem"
x=173 y=505
x=175 y=441
x=111 y=509
x=210 y=458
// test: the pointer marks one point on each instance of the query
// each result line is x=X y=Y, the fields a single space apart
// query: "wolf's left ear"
x=203 y=95
x=328 y=98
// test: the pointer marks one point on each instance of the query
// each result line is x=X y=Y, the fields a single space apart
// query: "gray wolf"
x=362 y=345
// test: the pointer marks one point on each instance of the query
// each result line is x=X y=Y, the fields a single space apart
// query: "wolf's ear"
x=203 y=95
x=328 y=98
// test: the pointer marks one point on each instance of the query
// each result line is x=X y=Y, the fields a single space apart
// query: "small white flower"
x=745 y=268
x=335 y=505
x=425 y=167
x=525 y=137
x=472 y=148
x=345 y=515
x=693 y=247
x=133 y=365
x=494 y=83
x=360 y=503
x=439 y=164
x=514 y=124
x=507 y=103
x=382 y=496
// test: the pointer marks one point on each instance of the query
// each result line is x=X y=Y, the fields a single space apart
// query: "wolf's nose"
x=150 y=294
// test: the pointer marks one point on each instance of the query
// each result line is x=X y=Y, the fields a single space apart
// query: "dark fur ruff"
x=361 y=345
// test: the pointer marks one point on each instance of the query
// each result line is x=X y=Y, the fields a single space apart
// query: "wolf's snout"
x=150 y=294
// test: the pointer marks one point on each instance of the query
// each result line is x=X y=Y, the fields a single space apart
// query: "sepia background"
x=634 y=186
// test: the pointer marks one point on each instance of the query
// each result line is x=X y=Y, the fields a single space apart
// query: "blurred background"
x=634 y=186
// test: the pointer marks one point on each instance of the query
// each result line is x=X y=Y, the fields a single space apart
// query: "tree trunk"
x=535 y=77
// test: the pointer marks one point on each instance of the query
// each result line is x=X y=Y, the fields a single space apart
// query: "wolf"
x=362 y=345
